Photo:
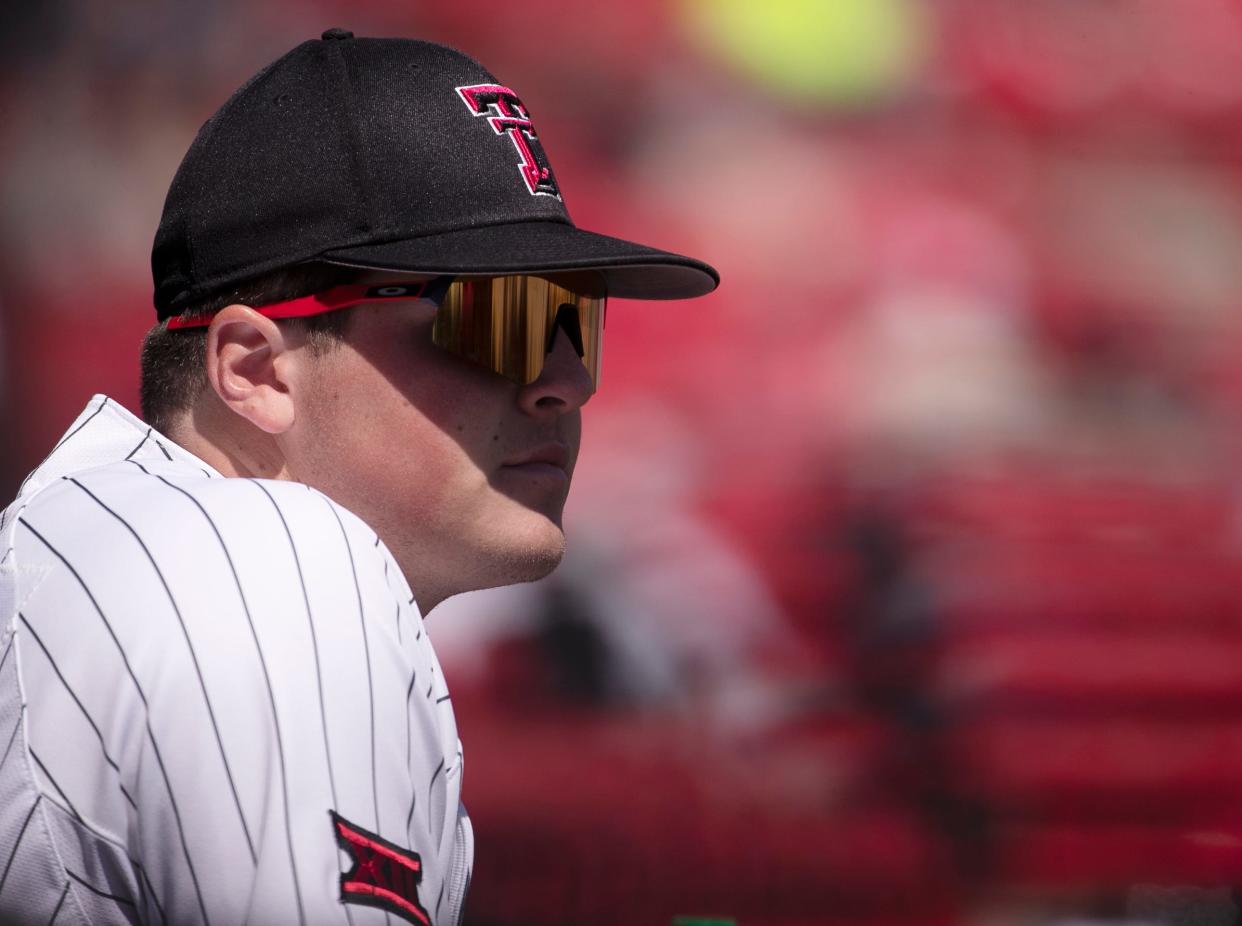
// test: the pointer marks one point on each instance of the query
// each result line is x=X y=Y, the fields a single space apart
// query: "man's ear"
x=248 y=367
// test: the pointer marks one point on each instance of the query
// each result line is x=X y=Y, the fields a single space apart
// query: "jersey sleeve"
x=233 y=701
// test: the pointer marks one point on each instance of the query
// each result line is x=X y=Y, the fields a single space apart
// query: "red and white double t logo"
x=507 y=116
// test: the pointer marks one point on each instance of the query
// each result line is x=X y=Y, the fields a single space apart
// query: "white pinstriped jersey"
x=217 y=702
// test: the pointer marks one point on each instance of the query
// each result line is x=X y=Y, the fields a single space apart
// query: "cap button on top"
x=337 y=34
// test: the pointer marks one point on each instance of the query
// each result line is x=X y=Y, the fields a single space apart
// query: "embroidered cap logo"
x=507 y=116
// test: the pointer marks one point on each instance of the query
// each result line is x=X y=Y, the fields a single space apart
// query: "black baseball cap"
x=384 y=154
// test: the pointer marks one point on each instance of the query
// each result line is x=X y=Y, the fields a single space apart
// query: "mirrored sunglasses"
x=508 y=324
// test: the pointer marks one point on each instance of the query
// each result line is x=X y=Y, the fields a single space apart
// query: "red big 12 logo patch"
x=382 y=875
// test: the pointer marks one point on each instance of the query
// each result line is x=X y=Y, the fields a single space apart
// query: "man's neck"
x=229 y=445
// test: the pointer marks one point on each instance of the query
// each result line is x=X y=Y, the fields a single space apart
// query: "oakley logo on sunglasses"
x=507 y=116
x=394 y=292
x=430 y=289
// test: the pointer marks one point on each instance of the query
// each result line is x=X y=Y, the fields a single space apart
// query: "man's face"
x=463 y=473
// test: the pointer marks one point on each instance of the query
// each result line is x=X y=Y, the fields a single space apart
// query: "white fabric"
x=195 y=671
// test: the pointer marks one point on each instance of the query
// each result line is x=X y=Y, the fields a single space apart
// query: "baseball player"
x=377 y=327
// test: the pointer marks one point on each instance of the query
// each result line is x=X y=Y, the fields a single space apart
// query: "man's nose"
x=564 y=384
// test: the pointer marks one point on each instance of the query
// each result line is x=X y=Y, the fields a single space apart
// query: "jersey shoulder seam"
x=74 y=889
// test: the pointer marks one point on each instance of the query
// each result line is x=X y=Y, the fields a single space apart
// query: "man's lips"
x=552 y=459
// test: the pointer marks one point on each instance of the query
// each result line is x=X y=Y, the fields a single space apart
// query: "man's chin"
x=526 y=554
x=535 y=562
x=511 y=552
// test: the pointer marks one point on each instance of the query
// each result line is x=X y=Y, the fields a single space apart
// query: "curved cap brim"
x=631 y=271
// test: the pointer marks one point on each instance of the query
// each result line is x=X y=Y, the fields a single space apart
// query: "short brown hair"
x=173 y=366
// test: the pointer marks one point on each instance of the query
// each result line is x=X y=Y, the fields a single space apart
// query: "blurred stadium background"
x=905 y=575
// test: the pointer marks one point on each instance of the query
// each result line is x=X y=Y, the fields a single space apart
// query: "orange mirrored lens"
x=509 y=324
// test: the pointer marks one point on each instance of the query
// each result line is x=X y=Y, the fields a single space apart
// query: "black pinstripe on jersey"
x=366 y=649
x=18 y=725
x=12 y=737
x=434 y=775
x=142 y=443
x=202 y=684
x=310 y=622
x=7 y=649
x=408 y=693
x=159 y=759
x=95 y=890
x=396 y=616
x=68 y=807
x=144 y=881
x=413 y=791
x=267 y=679
x=17 y=844
x=59 y=904
x=82 y=707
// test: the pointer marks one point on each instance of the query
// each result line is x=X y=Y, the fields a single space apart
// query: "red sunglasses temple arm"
x=340 y=297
